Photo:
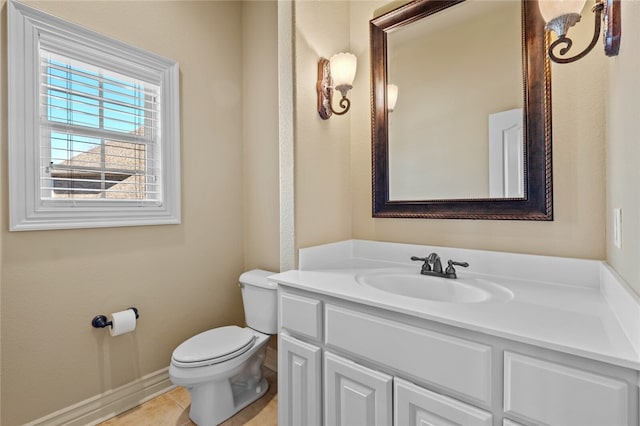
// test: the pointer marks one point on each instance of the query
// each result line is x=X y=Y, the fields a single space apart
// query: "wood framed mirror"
x=436 y=153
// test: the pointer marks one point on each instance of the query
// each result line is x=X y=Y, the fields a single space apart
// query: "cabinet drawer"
x=301 y=315
x=414 y=406
x=552 y=394
x=456 y=364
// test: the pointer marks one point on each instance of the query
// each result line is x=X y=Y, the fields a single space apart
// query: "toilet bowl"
x=222 y=368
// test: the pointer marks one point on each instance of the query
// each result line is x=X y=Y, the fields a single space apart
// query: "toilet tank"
x=260 y=300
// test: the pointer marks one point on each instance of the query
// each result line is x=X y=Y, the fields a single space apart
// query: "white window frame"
x=29 y=27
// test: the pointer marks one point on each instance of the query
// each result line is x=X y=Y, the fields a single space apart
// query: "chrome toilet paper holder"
x=100 y=321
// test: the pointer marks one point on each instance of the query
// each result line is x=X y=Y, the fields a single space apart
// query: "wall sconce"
x=561 y=15
x=336 y=73
x=392 y=97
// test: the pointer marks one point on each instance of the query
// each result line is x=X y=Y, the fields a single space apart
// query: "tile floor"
x=172 y=409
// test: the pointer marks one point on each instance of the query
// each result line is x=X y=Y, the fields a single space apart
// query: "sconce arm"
x=344 y=103
x=563 y=39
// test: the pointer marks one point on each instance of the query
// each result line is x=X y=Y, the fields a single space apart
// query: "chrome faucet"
x=433 y=266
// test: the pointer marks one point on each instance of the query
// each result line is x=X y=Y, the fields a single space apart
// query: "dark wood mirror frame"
x=537 y=203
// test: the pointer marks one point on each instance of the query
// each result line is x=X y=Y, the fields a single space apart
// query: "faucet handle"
x=425 y=266
x=451 y=271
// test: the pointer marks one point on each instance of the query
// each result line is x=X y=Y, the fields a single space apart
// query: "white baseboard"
x=111 y=403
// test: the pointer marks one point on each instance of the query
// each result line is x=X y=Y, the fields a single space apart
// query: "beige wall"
x=260 y=135
x=322 y=188
x=623 y=147
x=578 y=168
x=439 y=138
x=181 y=277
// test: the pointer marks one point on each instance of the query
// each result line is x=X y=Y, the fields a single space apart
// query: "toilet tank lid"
x=258 y=278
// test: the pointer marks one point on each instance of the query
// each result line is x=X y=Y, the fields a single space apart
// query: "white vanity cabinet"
x=348 y=364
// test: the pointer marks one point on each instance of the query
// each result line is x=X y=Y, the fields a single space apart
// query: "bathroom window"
x=98 y=132
x=94 y=128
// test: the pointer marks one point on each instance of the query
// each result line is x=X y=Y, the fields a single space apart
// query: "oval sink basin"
x=458 y=290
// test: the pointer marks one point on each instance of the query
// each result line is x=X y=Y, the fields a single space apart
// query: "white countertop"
x=570 y=316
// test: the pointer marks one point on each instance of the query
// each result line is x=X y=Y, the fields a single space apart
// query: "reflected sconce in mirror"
x=337 y=73
x=561 y=15
x=392 y=97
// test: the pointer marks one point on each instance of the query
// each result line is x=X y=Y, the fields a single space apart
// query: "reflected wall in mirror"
x=446 y=139
x=464 y=140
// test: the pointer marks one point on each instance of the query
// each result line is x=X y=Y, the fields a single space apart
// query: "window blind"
x=100 y=137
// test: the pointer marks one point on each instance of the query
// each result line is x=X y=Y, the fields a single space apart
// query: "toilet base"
x=213 y=410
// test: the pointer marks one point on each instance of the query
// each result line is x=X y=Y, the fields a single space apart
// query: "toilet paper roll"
x=122 y=322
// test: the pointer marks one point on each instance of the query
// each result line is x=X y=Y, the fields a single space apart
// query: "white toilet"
x=222 y=368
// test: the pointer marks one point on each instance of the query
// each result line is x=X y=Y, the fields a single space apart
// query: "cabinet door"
x=299 y=383
x=506 y=422
x=355 y=395
x=416 y=406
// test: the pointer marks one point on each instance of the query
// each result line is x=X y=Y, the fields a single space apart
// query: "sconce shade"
x=392 y=97
x=561 y=15
x=552 y=9
x=343 y=70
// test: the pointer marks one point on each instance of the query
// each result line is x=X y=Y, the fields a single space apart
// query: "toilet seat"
x=213 y=347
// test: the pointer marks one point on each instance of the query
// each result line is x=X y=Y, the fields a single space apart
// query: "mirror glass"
x=470 y=133
x=460 y=106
